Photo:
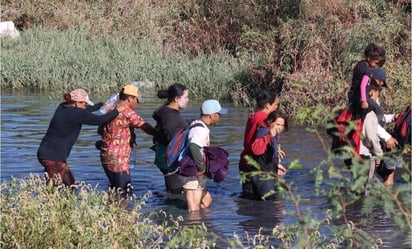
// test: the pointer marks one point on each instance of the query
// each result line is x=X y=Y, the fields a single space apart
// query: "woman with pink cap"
x=63 y=131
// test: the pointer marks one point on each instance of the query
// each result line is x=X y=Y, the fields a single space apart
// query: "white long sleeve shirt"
x=370 y=145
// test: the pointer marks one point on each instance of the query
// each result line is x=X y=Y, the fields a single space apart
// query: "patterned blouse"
x=117 y=144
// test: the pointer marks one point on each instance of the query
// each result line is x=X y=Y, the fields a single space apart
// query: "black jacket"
x=168 y=123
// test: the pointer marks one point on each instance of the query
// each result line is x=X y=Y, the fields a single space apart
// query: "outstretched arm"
x=93 y=119
x=390 y=141
x=148 y=129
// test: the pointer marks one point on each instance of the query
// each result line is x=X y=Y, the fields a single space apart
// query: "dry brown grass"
x=306 y=47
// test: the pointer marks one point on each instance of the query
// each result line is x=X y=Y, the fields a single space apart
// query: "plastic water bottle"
x=139 y=84
x=112 y=101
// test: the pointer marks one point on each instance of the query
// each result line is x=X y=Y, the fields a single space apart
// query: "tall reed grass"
x=50 y=60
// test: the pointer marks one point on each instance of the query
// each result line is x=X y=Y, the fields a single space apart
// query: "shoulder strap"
x=196 y=124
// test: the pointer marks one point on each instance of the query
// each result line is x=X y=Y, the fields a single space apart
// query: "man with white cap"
x=118 y=139
x=197 y=196
x=63 y=131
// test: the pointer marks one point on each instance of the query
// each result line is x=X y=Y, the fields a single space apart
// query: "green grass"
x=36 y=215
x=49 y=60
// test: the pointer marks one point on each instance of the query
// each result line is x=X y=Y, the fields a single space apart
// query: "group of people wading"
x=369 y=141
x=261 y=146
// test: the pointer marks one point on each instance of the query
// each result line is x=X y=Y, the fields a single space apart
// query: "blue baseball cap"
x=211 y=106
x=379 y=74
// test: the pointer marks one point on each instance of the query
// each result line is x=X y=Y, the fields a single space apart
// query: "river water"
x=25 y=118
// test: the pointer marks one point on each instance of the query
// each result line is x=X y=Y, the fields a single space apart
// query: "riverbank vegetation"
x=220 y=49
x=36 y=215
x=306 y=49
x=49 y=60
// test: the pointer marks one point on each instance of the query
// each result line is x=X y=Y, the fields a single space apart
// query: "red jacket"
x=256 y=119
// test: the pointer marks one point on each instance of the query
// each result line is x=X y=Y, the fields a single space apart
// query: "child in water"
x=267 y=153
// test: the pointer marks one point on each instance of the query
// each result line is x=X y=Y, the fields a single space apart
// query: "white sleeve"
x=389 y=118
x=370 y=127
x=383 y=134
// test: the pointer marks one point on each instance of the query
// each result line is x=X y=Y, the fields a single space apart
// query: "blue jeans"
x=259 y=188
x=119 y=180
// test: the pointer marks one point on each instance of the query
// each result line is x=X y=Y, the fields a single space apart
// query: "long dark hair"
x=175 y=90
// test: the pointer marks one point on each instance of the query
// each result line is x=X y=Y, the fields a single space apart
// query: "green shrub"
x=306 y=48
x=36 y=215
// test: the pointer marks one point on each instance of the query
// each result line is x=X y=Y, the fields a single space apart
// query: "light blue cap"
x=211 y=106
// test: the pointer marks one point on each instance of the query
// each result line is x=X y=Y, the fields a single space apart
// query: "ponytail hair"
x=175 y=90
x=67 y=97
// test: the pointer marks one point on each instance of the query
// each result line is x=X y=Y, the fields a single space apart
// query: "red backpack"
x=343 y=134
x=402 y=130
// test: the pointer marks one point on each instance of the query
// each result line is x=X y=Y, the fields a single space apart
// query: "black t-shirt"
x=361 y=69
x=64 y=129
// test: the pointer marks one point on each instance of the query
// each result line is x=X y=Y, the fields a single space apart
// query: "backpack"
x=402 y=130
x=178 y=147
x=345 y=130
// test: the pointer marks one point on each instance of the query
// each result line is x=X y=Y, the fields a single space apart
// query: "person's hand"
x=272 y=132
x=281 y=170
x=391 y=143
x=201 y=172
x=121 y=108
x=396 y=116
x=364 y=105
x=108 y=106
x=281 y=154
